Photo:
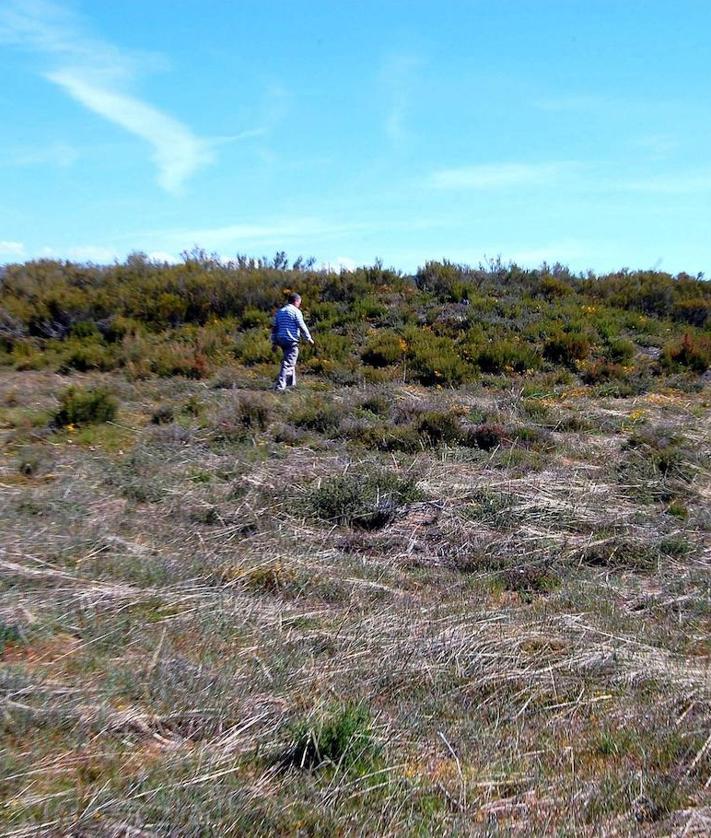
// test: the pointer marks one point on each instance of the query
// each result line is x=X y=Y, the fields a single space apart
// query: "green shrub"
x=621 y=554
x=84 y=357
x=602 y=371
x=529 y=579
x=444 y=279
x=344 y=739
x=503 y=355
x=378 y=403
x=566 y=348
x=164 y=414
x=486 y=436
x=368 y=500
x=26 y=355
x=535 y=438
x=389 y=438
x=80 y=406
x=254 y=346
x=253 y=411
x=332 y=347
x=535 y=408
x=248 y=414
x=85 y=329
x=31 y=461
x=691 y=352
x=553 y=288
x=695 y=311
x=9 y=633
x=657 y=465
x=438 y=426
x=254 y=318
x=192 y=406
x=317 y=414
x=175 y=358
x=620 y=351
x=384 y=349
x=433 y=360
x=287 y=434
x=368 y=308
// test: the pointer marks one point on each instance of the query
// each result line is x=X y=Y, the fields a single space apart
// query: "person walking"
x=287 y=330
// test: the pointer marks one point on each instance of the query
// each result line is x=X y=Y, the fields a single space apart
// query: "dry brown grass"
x=530 y=640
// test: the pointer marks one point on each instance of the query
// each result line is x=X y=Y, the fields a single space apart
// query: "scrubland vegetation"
x=456 y=583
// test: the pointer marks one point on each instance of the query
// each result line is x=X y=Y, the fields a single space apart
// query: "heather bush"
x=377 y=403
x=164 y=414
x=695 y=311
x=533 y=437
x=487 y=436
x=253 y=411
x=657 y=464
x=553 y=288
x=503 y=355
x=254 y=318
x=406 y=438
x=254 y=346
x=602 y=371
x=316 y=413
x=84 y=357
x=368 y=308
x=433 y=360
x=443 y=279
x=246 y=415
x=439 y=426
x=619 y=351
x=85 y=406
x=384 y=349
x=535 y=408
x=173 y=358
x=620 y=553
x=692 y=352
x=566 y=348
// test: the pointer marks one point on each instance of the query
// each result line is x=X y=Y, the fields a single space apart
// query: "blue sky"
x=557 y=130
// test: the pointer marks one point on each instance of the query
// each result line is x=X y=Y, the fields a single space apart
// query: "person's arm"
x=274 y=330
x=304 y=328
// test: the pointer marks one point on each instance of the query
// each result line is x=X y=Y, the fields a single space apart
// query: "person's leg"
x=287 y=371
x=290 y=357
x=280 y=383
x=291 y=372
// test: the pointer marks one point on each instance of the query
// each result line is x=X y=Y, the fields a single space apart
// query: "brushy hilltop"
x=456 y=584
x=445 y=325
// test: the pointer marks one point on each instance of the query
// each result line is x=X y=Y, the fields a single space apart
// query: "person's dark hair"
x=294 y=297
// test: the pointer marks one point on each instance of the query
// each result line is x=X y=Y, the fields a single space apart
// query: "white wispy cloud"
x=55 y=154
x=499 y=175
x=98 y=254
x=559 y=251
x=177 y=152
x=398 y=80
x=8 y=248
x=96 y=74
x=246 y=235
x=682 y=183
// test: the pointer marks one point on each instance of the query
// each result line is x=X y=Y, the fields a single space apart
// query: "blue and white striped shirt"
x=289 y=325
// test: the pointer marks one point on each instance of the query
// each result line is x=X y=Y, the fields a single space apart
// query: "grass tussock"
x=365 y=500
x=85 y=406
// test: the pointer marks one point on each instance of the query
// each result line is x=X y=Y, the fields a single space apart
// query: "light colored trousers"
x=287 y=372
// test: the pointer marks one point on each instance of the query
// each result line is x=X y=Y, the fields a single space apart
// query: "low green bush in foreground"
x=367 y=500
x=85 y=406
